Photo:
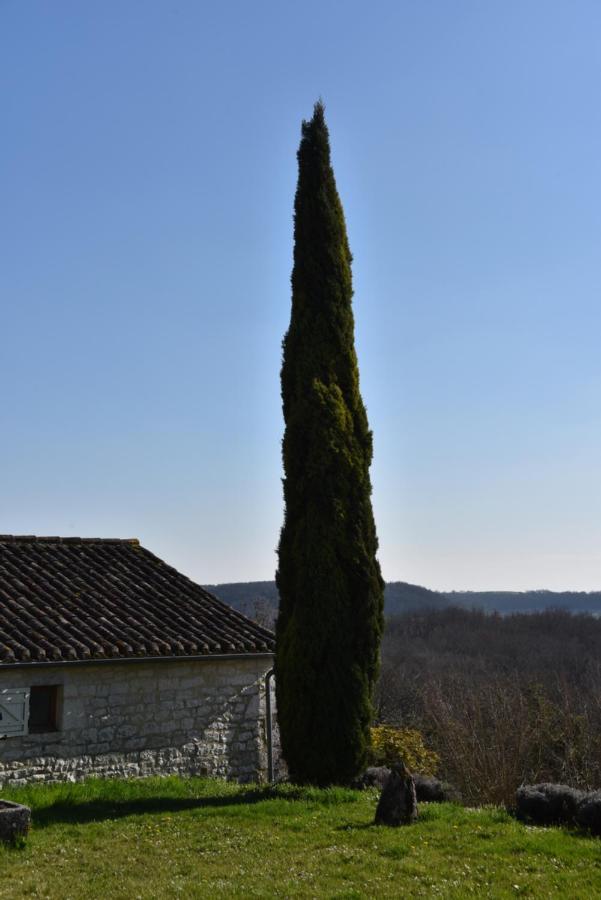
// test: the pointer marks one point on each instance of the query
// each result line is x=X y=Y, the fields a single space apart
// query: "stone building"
x=114 y=663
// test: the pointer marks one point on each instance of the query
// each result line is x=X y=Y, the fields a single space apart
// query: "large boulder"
x=374 y=776
x=427 y=788
x=588 y=814
x=398 y=802
x=548 y=804
x=432 y=790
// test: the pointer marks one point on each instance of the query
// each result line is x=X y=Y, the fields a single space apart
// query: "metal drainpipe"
x=269 y=724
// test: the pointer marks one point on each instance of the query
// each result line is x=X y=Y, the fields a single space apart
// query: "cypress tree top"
x=331 y=590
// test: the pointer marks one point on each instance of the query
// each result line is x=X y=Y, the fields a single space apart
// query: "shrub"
x=389 y=745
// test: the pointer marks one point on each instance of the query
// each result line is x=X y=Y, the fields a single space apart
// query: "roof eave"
x=119 y=660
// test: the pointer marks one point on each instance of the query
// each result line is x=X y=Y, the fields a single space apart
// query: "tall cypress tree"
x=331 y=590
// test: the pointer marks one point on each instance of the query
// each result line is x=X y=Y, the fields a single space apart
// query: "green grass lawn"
x=176 y=837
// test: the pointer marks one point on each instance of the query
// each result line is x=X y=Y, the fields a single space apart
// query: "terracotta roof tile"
x=100 y=598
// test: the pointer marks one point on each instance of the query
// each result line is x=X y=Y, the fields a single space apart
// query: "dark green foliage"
x=331 y=590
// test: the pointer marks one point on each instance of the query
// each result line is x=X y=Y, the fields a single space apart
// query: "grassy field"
x=198 y=838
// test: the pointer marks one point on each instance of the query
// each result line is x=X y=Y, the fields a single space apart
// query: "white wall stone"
x=185 y=717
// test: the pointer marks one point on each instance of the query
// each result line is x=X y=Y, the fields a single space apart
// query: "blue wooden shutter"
x=14 y=711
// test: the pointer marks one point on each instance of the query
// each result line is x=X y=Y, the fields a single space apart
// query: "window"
x=43 y=708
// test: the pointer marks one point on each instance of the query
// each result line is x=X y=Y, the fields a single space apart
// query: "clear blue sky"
x=147 y=171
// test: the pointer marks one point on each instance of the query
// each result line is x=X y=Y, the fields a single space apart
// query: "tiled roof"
x=92 y=598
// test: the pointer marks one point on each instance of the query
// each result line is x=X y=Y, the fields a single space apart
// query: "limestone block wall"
x=183 y=717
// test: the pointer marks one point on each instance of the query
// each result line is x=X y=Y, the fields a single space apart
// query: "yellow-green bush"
x=389 y=744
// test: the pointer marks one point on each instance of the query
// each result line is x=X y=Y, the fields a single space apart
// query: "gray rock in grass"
x=398 y=802
x=548 y=804
x=588 y=814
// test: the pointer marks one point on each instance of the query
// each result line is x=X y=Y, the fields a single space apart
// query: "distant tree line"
x=256 y=599
x=259 y=599
x=526 y=601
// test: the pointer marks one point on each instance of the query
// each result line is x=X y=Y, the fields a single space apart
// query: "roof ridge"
x=55 y=539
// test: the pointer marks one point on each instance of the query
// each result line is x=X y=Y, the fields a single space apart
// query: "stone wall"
x=176 y=717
